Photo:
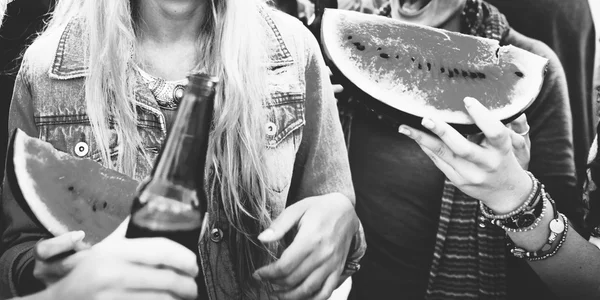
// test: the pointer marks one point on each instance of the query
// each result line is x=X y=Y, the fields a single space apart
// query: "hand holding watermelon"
x=489 y=171
x=51 y=263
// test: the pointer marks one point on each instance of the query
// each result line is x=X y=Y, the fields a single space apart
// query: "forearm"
x=574 y=271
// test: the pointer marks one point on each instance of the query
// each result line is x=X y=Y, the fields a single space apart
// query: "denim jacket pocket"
x=72 y=134
x=283 y=130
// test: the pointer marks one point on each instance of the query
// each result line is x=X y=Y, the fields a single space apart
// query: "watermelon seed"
x=384 y=55
x=71 y=188
x=481 y=75
x=420 y=67
x=428 y=67
x=442 y=70
x=94 y=207
x=450 y=74
x=397 y=56
x=104 y=204
x=349 y=37
x=497 y=52
x=519 y=74
x=456 y=71
x=360 y=47
x=412 y=58
x=465 y=74
x=473 y=75
x=378 y=48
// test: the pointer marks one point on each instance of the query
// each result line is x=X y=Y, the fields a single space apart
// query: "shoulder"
x=40 y=55
x=293 y=34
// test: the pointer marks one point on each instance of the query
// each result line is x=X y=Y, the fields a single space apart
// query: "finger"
x=284 y=223
x=165 y=253
x=337 y=88
x=139 y=295
x=459 y=145
x=519 y=125
x=290 y=259
x=309 y=287
x=296 y=275
x=328 y=288
x=519 y=142
x=448 y=170
x=433 y=144
x=47 y=249
x=57 y=269
x=492 y=128
x=158 y=280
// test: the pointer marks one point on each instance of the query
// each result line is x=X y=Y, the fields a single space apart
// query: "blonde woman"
x=101 y=82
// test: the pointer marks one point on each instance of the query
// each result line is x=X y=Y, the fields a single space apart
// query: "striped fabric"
x=469 y=260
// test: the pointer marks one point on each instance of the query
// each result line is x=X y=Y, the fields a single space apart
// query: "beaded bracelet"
x=527 y=220
x=535 y=190
x=560 y=243
x=558 y=225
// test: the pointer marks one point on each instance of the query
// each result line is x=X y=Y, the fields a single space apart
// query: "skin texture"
x=118 y=268
x=491 y=172
x=436 y=13
x=312 y=265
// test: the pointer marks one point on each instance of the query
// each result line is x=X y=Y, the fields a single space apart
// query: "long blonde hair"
x=233 y=47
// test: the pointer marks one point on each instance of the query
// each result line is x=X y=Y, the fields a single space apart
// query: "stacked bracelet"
x=558 y=225
x=535 y=191
x=526 y=217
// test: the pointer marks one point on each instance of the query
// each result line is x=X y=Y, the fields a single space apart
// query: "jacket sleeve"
x=21 y=230
x=322 y=165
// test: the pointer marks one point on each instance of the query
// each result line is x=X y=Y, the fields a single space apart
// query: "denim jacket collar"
x=70 y=62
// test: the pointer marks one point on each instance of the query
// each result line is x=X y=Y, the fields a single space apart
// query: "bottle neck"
x=183 y=158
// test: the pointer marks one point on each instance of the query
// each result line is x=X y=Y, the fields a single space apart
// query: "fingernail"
x=404 y=130
x=266 y=235
x=256 y=276
x=469 y=101
x=427 y=123
x=78 y=236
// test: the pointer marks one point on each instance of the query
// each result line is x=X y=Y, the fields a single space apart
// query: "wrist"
x=518 y=193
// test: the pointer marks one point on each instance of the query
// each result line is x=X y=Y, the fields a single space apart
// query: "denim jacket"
x=305 y=145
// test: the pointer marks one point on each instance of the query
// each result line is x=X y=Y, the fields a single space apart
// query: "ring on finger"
x=524 y=133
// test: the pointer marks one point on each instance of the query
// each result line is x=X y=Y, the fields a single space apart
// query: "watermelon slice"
x=425 y=71
x=66 y=193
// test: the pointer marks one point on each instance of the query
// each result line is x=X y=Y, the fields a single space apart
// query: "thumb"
x=62 y=244
x=284 y=223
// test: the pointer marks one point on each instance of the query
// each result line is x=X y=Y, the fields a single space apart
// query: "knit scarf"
x=469 y=260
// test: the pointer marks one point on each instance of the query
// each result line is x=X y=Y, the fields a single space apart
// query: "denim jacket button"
x=216 y=235
x=81 y=149
x=271 y=129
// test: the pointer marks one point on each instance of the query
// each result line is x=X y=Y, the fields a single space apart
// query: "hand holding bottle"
x=124 y=269
x=311 y=267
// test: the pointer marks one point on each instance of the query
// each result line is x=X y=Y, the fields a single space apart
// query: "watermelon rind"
x=415 y=102
x=41 y=174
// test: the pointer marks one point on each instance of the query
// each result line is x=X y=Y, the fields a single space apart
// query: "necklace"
x=168 y=94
